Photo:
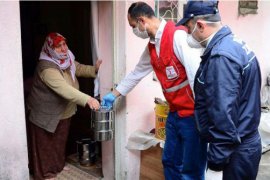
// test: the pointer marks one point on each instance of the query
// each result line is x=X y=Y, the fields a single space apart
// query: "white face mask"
x=141 y=34
x=192 y=42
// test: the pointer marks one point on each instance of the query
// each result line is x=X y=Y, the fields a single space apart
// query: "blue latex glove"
x=108 y=100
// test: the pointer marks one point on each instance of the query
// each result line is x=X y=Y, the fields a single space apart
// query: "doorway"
x=71 y=19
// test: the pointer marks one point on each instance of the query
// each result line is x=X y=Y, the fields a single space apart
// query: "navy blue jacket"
x=227 y=95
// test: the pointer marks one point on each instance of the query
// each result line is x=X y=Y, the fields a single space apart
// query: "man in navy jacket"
x=227 y=93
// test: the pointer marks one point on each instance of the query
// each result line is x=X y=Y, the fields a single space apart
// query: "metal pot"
x=104 y=135
x=86 y=152
x=102 y=123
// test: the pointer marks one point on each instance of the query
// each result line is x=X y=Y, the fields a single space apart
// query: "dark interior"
x=72 y=20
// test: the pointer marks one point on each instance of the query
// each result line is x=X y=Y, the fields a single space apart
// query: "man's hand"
x=108 y=100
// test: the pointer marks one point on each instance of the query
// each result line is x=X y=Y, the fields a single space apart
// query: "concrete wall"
x=13 y=146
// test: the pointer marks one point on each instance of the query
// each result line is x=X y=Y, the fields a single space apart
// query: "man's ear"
x=141 y=19
x=200 y=26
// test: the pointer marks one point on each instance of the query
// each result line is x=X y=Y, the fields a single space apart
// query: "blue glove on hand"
x=108 y=100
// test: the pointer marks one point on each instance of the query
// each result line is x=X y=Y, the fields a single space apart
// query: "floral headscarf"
x=48 y=53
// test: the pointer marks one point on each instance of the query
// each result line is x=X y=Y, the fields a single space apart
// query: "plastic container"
x=161 y=112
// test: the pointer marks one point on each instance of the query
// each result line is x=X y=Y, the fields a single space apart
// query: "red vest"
x=172 y=74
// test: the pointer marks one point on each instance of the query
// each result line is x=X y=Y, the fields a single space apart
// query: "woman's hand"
x=98 y=63
x=93 y=103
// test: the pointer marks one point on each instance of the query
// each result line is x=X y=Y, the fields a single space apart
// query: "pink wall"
x=253 y=29
x=140 y=101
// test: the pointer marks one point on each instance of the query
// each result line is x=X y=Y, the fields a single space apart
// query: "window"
x=248 y=7
x=168 y=10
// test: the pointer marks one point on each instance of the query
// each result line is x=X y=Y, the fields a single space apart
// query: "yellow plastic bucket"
x=161 y=112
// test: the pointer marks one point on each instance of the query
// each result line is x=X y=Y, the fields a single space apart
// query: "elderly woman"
x=51 y=104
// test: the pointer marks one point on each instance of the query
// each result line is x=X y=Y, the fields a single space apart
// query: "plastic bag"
x=140 y=140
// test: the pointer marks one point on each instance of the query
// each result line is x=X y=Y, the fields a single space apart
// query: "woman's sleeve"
x=83 y=70
x=55 y=81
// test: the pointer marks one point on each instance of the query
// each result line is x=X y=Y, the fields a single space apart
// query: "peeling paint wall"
x=13 y=146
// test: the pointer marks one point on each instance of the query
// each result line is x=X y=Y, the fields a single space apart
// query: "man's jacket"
x=227 y=95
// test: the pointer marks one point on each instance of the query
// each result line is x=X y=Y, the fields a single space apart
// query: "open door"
x=72 y=20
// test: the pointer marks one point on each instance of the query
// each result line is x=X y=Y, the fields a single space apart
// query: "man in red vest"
x=175 y=65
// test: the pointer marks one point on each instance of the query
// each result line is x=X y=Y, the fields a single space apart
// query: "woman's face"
x=61 y=48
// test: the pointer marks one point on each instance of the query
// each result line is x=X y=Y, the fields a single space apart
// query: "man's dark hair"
x=140 y=9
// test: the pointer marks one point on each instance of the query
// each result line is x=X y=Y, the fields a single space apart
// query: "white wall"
x=120 y=40
x=254 y=29
x=105 y=45
x=13 y=146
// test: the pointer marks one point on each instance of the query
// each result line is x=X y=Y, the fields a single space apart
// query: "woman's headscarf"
x=48 y=53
